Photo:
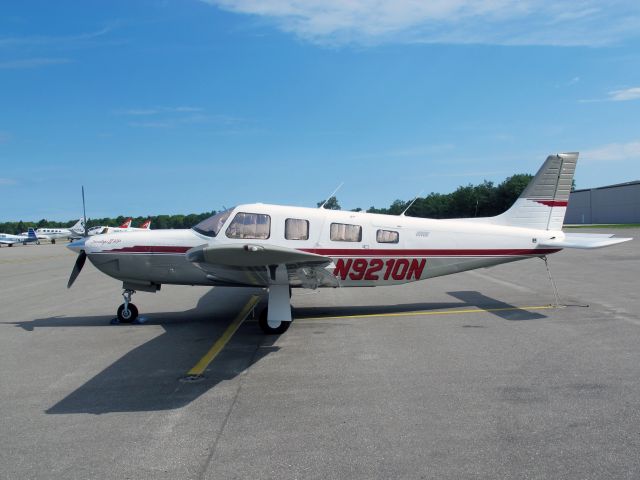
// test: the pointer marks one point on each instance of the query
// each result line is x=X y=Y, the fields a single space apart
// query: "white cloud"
x=172 y=117
x=503 y=22
x=158 y=110
x=152 y=124
x=625 y=95
x=44 y=40
x=32 y=63
x=613 y=152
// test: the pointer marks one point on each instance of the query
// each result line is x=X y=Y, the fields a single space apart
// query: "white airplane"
x=8 y=239
x=125 y=227
x=279 y=247
x=53 y=234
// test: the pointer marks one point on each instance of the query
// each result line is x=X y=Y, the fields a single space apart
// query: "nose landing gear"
x=127 y=312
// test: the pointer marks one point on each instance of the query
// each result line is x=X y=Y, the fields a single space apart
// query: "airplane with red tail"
x=279 y=247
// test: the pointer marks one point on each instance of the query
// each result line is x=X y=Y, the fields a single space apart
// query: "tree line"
x=157 y=221
x=483 y=200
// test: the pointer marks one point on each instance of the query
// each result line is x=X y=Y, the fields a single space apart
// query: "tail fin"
x=543 y=204
x=78 y=227
x=31 y=233
x=126 y=223
x=146 y=224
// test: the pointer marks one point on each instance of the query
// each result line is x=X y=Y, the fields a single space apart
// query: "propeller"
x=77 y=246
x=82 y=257
x=84 y=214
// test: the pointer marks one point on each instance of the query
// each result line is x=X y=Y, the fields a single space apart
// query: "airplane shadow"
x=496 y=307
x=470 y=299
x=148 y=378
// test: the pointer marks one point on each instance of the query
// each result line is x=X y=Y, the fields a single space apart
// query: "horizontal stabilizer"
x=583 y=240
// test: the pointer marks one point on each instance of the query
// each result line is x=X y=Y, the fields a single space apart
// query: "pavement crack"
x=214 y=447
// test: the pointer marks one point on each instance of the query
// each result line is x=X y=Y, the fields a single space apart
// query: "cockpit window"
x=212 y=225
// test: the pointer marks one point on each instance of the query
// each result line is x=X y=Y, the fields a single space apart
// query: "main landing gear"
x=266 y=327
x=127 y=312
x=276 y=318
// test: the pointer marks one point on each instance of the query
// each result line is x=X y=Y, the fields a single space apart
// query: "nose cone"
x=77 y=246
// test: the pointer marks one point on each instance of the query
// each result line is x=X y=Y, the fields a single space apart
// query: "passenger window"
x=387 y=236
x=250 y=225
x=296 y=229
x=341 y=232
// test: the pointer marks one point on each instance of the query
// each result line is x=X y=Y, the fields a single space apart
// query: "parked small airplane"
x=8 y=239
x=125 y=227
x=279 y=247
x=53 y=234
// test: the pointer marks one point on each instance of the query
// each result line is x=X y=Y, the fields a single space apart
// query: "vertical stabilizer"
x=543 y=204
x=126 y=223
x=79 y=226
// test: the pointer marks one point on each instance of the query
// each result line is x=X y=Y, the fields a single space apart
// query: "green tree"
x=332 y=204
x=510 y=189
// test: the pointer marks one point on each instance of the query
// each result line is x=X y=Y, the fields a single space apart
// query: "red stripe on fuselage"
x=552 y=203
x=353 y=252
x=369 y=252
x=149 y=249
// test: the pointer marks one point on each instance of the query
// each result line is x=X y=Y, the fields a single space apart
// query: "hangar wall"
x=611 y=204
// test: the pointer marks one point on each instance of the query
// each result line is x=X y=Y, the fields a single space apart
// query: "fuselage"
x=103 y=229
x=54 y=233
x=365 y=249
x=8 y=239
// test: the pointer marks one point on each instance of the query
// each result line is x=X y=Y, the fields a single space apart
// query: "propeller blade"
x=77 y=267
x=84 y=214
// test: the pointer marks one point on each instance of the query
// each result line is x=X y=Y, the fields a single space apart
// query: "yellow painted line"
x=440 y=312
x=217 y=347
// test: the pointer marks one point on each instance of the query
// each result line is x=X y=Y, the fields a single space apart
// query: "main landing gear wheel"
x=127 y=314
x=264 y=325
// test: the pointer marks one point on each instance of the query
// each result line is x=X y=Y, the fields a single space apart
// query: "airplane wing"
x=583 y=240
x=247 y=264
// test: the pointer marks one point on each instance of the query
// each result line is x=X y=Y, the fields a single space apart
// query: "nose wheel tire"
x=264 y=325
x=129 y=315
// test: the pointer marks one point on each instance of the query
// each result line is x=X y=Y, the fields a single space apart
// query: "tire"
x=53 y=241
x=133 y=314
x=264 y=325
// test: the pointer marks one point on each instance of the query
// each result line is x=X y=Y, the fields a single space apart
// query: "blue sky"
x=188 y=106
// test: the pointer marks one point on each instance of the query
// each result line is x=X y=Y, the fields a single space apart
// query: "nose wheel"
x=127 y=312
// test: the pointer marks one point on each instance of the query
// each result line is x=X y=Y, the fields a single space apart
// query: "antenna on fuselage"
x=332 y=194
x=412 y=202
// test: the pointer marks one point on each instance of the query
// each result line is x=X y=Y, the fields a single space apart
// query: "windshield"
x=212 y=225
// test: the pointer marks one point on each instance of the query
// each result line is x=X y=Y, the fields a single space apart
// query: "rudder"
x=543 y=203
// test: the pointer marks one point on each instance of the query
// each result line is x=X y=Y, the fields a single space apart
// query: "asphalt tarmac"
x=467 y=376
